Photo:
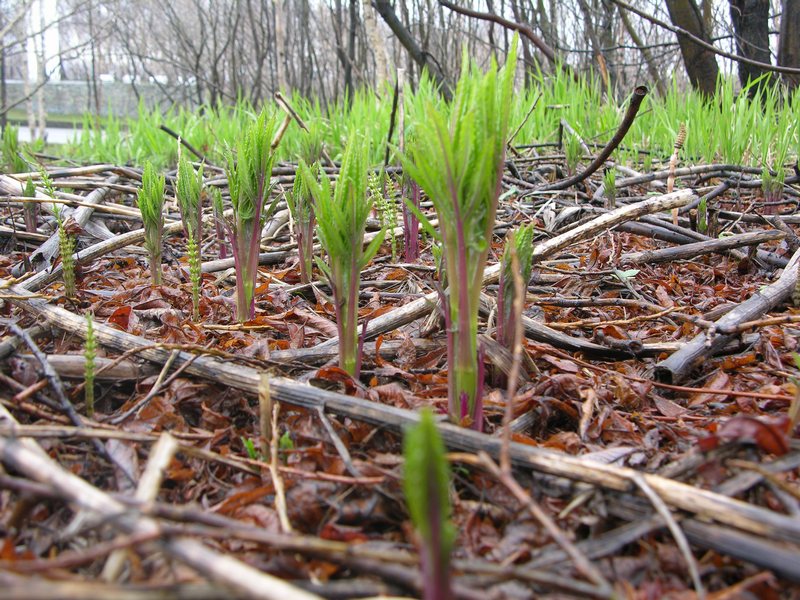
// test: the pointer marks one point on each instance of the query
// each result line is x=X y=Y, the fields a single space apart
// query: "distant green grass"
x=731 y=129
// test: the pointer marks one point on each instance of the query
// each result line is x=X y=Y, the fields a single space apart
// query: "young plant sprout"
x=573 y=150
x=385 y=205
x=151 y=204
x=66 y=245
x=610 y=188
x=89 y=354
x=458 y=158
x=522 y=240
x=219 y=222
x=300 y=203
x=411 y=208
x=11 y=151
x=341 y=221
x=189 y=189
x=426 y=483
x=249 y=172
x=302 y=209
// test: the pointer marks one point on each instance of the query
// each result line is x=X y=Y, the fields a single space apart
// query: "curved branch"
x=523 y=29
x=633 y=107
x=700 y=42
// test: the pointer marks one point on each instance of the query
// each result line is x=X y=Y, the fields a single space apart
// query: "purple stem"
x=435 y=567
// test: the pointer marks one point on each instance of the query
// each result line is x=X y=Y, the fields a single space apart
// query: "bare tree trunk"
x=789 y=44
x=93 y=54
x=700 y=63
x=378 y=47
x=386 y=11
x=750 y=20
x=41 y=74
x=280 y=45
x=351 y=49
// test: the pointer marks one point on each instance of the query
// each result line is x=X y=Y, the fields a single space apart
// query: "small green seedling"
x=89 y=354
x=426 y=484
x=151 y=204
x=189 y=189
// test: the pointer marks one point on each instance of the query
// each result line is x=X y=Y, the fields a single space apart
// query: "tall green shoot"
x=342 y=213
x=301 y=208
x=458 y=159
x=610 y=188
x=426 y=483
x=189 y=189
x=249 y=172
x=522 y=241
x=89 y=354
x=301 y=205
x=219 y=222
x=151 y=204
x=66 y=245
x=66 y=242
x=12 y=156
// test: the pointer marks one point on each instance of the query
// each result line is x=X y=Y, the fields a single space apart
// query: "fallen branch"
x=679 y=365
x=699 y=248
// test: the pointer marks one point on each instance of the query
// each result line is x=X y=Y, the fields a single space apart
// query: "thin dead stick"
x=103 y=208
x=265 y=416
x=277 y=480
x=592 y=323
x=675 y=530
x=337 y=443
x=673 y=163
x=516 y=361
x=525 y=118
x=73 y=559
x=153 y=391
x=160 y=456
x=580 y=561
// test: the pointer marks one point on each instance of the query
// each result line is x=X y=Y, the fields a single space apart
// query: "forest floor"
x=654 y=440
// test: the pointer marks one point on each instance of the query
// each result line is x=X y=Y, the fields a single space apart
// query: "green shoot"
x=341 y=222
x=301 y=205
x=189 y=189
x=151 y=205
x=66 y=245
x=610 y=188
x=301 y=208
x=250 y=448
x=522 y=240
x=89 y=354
x=573 y=151
x=385 y=205
x=249 y=172
x=426 y=484
x=458 y=159
x=219 y=222
x=11 y=151
x=702 y=215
